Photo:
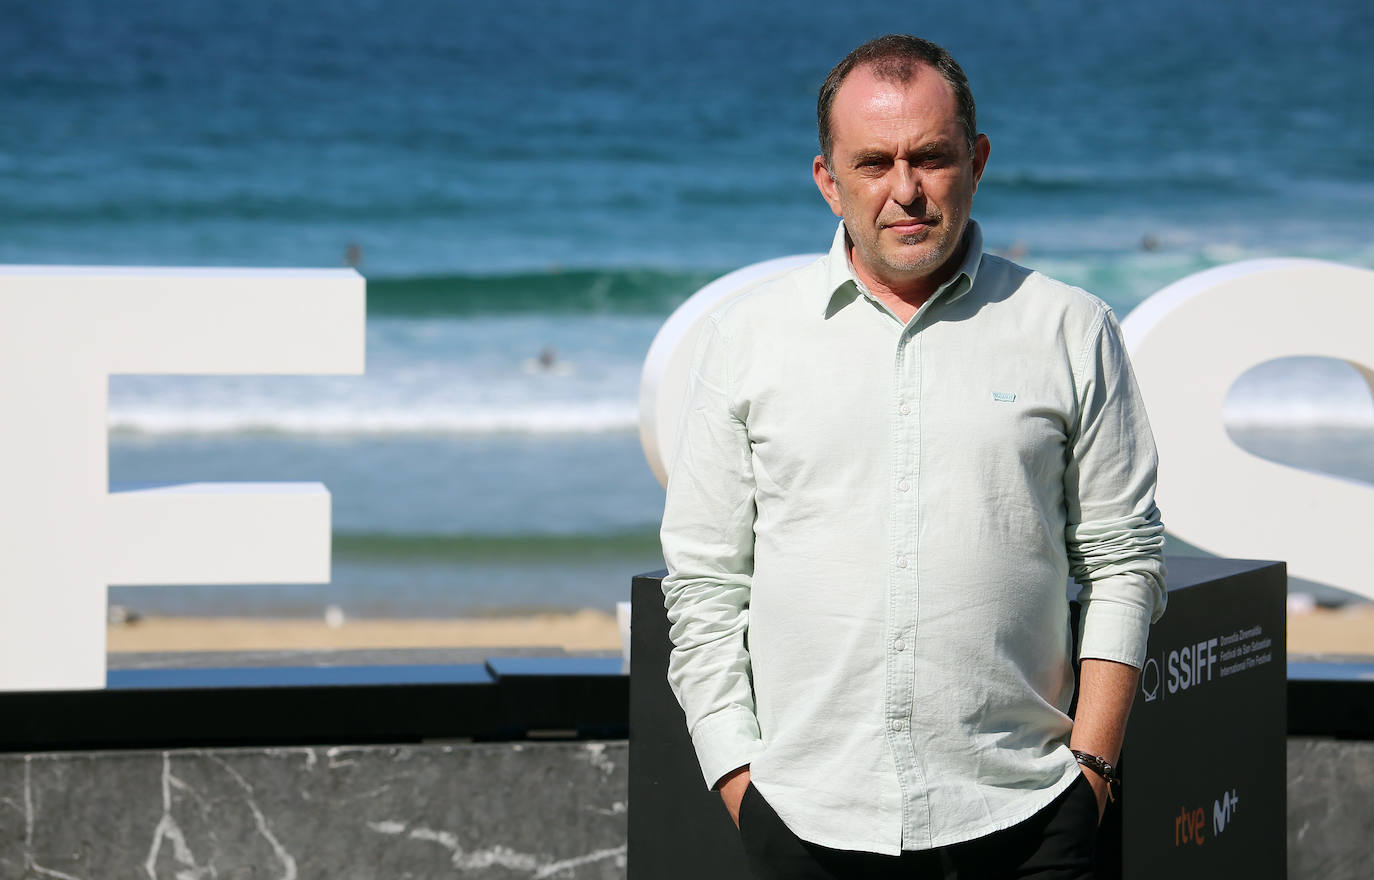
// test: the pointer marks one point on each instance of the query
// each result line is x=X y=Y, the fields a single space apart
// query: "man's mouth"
x=909 y=225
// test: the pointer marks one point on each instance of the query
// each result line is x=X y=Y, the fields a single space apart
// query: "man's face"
x=900 y=175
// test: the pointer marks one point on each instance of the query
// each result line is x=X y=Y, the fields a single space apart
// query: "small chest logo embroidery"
x=1003 y=396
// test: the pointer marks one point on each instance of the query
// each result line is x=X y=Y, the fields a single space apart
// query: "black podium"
x=1204 y=758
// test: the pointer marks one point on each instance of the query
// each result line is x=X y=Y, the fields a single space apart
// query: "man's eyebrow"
x=932 y=150
x=871 y=155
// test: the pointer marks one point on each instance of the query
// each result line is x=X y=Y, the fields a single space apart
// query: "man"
x=891 y=462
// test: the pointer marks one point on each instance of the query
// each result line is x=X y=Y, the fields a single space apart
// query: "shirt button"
x=897 y=724
x=903 y=485
x=904 y=410
x=899 y=646
x=901 y=562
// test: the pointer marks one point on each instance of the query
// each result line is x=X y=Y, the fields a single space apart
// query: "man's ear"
x=981 y=149
x=825 y=182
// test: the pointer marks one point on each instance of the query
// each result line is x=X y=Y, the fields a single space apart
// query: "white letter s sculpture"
x=1189 y=343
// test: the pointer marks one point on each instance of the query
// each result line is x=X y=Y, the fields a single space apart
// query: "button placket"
x=906 y=480
x=902 y=584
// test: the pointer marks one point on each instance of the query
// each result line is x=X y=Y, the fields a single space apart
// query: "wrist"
x=730 y=777
x=1102 y=768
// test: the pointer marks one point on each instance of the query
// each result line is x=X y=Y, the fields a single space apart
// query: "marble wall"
x=1330 y=809
x=531 y=810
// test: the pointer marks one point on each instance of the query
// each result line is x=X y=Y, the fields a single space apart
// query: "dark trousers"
x=1054 y=844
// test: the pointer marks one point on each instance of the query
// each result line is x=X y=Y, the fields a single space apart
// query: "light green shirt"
x=869 y=532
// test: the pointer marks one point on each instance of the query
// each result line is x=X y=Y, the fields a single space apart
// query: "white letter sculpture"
x=65 y=533
x=663 y=383
x=1189 y=343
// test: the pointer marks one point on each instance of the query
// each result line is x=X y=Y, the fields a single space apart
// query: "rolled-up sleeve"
x=1113 y=532
x=708 y=545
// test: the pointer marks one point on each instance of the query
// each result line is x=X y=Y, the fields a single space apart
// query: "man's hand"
x=1100 y=789
x=732 y=786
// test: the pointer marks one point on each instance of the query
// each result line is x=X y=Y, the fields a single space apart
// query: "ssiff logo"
x=1190 y=825
x=1186 y=667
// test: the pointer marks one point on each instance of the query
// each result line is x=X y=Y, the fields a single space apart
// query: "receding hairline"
x=893 y=68
x=903 y=72
x=897 y=58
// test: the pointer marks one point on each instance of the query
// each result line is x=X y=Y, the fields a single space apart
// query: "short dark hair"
x=895 y=58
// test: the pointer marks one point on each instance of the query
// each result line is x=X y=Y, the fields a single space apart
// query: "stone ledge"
x=1330 y=808
x=509 y=810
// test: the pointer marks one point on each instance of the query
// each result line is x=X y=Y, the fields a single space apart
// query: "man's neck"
x=906 y=296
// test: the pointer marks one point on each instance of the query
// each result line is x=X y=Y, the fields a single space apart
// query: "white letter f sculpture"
x=65 y=533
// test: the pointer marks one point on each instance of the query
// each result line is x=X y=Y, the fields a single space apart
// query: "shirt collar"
x=843 y=286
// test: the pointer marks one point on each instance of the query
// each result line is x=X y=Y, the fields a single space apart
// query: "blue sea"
x=524 y=178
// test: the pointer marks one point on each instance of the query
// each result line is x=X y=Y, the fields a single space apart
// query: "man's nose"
x=906 y=183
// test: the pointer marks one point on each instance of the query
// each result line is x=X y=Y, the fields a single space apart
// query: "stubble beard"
x=941 y=244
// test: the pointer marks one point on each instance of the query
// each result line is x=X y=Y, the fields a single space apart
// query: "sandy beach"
x=1331 y=631
x=586 y=630
x=1348 y=630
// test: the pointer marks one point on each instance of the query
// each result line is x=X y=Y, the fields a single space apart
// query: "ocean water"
x=526 y=179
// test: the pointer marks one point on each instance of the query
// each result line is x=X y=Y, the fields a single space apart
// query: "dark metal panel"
x=679 y=830
x=1331 y=699
x=507 y=698
x=1205 y=756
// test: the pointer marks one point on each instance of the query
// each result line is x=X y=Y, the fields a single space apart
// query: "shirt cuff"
x=1110 y=630
x=725 y=741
